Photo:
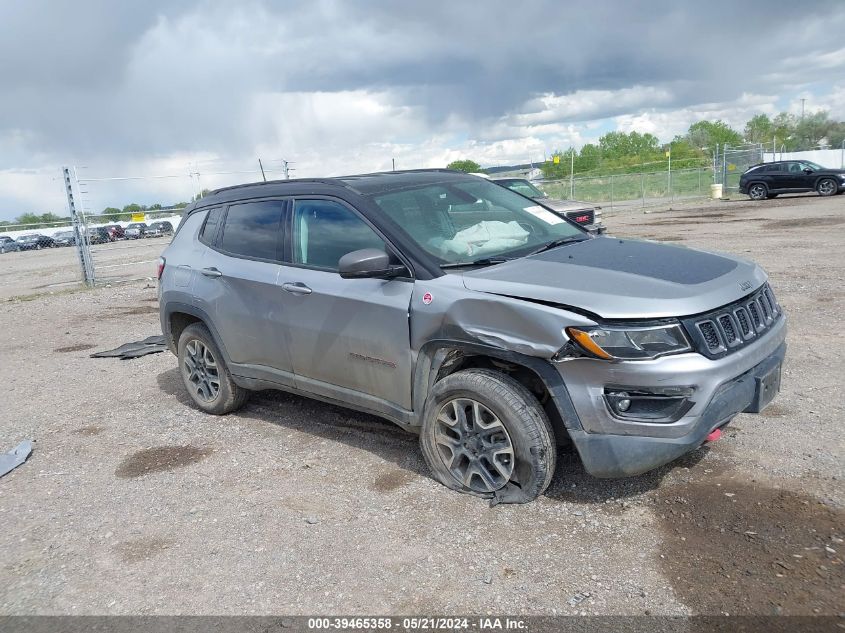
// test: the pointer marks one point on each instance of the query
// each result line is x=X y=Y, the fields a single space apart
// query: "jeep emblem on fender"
x=427 y=298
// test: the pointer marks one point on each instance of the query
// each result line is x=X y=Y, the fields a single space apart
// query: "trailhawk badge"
x=427 y=298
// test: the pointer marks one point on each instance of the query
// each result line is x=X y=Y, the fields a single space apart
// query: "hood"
x=623 y=279
x=566 y=205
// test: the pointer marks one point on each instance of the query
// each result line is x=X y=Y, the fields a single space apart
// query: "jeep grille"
x=735 y=325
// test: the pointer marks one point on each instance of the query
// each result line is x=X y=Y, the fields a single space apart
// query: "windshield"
x=524 y=187
x=63 y=234
x=465 y=220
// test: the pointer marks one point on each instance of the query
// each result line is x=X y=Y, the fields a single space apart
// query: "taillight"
x=161 y=263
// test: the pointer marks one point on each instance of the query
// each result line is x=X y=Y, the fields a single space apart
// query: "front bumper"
x=722 y=388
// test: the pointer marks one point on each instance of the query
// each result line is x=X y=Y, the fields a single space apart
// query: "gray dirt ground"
x=134 y=502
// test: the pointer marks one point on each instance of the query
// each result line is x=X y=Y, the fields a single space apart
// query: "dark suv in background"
x=767 y=180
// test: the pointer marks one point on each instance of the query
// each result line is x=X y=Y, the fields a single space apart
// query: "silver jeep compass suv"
x=471 y=315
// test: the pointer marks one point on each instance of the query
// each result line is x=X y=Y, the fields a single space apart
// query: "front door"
x=794 y=177
x=345 y=334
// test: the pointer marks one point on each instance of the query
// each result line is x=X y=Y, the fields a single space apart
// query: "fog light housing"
x=654 y=405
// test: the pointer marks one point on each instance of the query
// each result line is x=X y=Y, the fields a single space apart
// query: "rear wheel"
x=485 y=434
x=205 y=374
x=758 y=191
x=827 y=187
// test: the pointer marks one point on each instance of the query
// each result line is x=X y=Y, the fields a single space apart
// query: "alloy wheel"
x=757 y=192
x=201 y=370
x=827 y=187
x=474 y=445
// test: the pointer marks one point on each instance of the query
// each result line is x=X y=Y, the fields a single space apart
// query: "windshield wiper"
x=484 y=261
x=555 y=243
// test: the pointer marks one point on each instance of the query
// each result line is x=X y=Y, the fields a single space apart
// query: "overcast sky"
x=120 y=88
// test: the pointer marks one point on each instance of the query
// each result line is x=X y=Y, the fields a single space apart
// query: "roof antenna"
x=262 y=170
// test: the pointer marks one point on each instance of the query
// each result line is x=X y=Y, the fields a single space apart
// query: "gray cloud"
x=105 y=81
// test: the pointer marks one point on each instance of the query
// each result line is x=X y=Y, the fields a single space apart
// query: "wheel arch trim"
x=177 y=307
x=435 y=353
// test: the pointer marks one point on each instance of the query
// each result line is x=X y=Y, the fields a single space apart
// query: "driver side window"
x=324 y=231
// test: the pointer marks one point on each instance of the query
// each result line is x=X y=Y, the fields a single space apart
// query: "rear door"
x=345 y=334
x=237 y=285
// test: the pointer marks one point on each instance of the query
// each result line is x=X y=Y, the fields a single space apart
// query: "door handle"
x=297 y=288
x=211 y=272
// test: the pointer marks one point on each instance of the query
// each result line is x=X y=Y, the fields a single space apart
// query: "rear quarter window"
x=209 y=229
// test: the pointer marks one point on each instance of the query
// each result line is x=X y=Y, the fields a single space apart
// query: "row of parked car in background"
x=96 y=235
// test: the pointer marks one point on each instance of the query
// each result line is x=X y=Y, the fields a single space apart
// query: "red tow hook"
x=714 y=435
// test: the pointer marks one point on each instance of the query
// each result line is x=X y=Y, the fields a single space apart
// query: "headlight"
x=630 y=343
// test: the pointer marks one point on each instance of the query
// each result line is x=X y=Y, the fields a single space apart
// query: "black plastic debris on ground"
x=150 y=345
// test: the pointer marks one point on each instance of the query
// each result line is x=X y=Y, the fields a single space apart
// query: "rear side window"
x=209 y=229
x=252 y=229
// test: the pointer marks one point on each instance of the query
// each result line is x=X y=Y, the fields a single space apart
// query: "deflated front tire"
x=485 y=434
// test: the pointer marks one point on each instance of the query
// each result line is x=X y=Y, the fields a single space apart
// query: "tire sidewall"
x=532 y=476
x=200 y=333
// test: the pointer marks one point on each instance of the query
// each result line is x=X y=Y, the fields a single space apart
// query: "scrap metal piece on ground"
x=150 y=345
x=15 y=457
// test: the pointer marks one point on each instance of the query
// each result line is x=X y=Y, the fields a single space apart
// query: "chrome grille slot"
x=744 y=323
x=771 y=297
x=754 y=311
x=728 y=330
x=711 y=335
x=767 y=310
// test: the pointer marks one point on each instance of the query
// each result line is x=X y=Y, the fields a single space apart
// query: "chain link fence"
x=734 y=161
x=620 y=191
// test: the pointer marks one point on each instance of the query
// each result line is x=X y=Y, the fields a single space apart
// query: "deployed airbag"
x=486 y=237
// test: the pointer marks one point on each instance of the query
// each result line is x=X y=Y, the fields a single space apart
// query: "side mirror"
x=807 y=170
x=368 y=263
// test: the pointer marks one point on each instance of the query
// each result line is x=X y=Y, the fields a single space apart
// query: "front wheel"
x=205 y=374
x=485 y=434
x=758 y=191
x=827 y=187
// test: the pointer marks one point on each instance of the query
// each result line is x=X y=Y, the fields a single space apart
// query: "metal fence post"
x=80 y=232
x=611 y=192
x=642 y=186
x=670 y=173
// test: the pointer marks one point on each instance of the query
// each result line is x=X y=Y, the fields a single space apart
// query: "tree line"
x=621 y=152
